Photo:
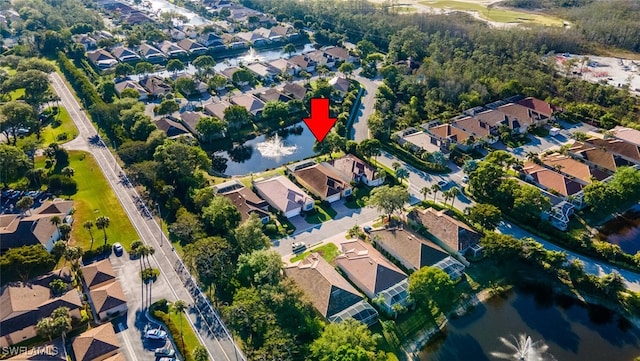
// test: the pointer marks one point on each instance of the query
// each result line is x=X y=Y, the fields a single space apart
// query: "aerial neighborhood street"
x=250 y=180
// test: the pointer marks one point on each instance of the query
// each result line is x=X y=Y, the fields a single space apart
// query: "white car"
x=117 y=248
x=465 y=179
x=156 y=334
x=298 y=246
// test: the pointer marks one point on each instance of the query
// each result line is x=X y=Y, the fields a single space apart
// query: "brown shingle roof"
x=574 y=167
x=551 y=179
x=249 y=102
x=368 y=268
x=627 y=134
x=34 y=228
x=446 y=131
x=329 y=292
x=295 y=90
x=619 y=147
x=322 y=180
x=170 y=127
x=216 y=109
x=449 y=230
x=410 y=248
x=353 y=167
x=108 y=296
x=597 y=156
x=538 y=105
x=283 y=194
x=95 y=343
x=244 y=199
x=96 y=274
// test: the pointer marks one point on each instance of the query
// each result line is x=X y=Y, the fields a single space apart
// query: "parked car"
x=156 y=334
x=298 y=246
x=166 y=359
x=443 y=183
x=367 y=229
x=165 y=351
x=465 y=179
x=117 y=248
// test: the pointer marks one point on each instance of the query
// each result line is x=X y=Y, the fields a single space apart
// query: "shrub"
x=62 y=136
x=102 y=250
x=173 y=329
x=59 y=184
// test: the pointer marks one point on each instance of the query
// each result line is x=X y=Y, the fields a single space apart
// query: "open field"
x=487 y=12
x=94 y=199
x=50 y=134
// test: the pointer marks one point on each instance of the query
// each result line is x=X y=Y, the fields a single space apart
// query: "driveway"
x=367 y=107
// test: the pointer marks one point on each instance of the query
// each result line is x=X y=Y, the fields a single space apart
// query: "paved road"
x=202 y=317
x=367 y=107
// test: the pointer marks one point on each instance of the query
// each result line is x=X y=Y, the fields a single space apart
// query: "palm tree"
x=146 y=251
x=88 y=225
x=56 y=221
x=395 y=166
x=46 y=328
x=402 y=173
x=103 y=223
x=65 y=232
x=425 y=191
x=454 y=193
x=179 y=307
x=435 y=189
x=447 y=195
x=533 y=157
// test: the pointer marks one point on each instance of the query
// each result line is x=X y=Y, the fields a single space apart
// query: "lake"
x=624 y=231
x=269 y=151
x=571 y=330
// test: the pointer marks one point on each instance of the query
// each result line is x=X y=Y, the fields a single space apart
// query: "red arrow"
x=320 y=124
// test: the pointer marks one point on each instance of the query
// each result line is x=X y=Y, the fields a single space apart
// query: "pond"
x=267 y=151
x=570 y=330
x=624 y=231
x=160 y=6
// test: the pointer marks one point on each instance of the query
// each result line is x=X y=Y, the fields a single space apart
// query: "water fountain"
x=252 y=57
x=275 y=148
x=524 y=349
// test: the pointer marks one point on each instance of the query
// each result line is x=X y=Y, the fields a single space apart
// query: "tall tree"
x=211 y=259
x=249 y=235
x=425 y=191
x=103 y=223
x=486 y=215
x=221 y=217
x=431 y=286
x=259 y=268
x=175 y=65
x=16 y=116
x=388 y=199
x=179 y=307
x=210 y=128
x=14 y=164
x=24 y=204
x=203 y=64
x=289 y=49
x=348 y=337
x=88 y=225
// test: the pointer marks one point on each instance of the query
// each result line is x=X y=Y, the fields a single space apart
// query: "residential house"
x=151 y=53
x=294 y=90
x=172 y=50
x=629 y=135
x=333 y=296
x=228 y=72
x=249 y=102
x=455 y=235
x=192 y=47
x=190 y=120
x=155 y=85
x=446 y=134
x=105 y=292
x=322 y=58
x=521 y=118
x=282 y=65
x=414 y=251
x=283 y=195
x=284 y=31
x=555 y=182
x=244 y=199
x=171 y=127
x=252 y=38
x=217 y=110
x=419 y=141
x=35 y=226
x=373 y=274
x=263 y=70
x=321 y=179
x=130 y=84
x=24 y=304
x=271 y=35
x=357 y=170
x=579 y=171
x=339 y=54
x=628 y=151
x=273 y=94
x=85 y=40
x=211 y=40
x=175 y=34
x=234 y=42
x=102 y=59
x=125 y=54
x=483 y=125
x=97 y=344
x=302 y=62
x=597 y=156
x=340 y=84
x=540 y=107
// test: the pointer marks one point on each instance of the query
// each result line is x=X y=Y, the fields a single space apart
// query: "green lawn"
x=190 y=339
x=495 y=14
x=359 y=196
x=328 y=251
x=323 y=213
x=50 y=134
x=94 y=199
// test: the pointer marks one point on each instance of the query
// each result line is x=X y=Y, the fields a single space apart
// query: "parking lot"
x=10 y=197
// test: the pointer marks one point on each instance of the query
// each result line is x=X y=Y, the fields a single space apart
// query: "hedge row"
x=79 y=81
x=407 y=157
x=159 y=311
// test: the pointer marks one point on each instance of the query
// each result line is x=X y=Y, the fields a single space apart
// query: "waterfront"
x=624 y=230
x=572 y=331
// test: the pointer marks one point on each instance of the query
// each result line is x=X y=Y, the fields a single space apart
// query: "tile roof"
x=354 y=167
x=148 y=50
x=574 y=167
x=190 y=45
x=322 y=179
x=447 y=229
x=95 y=343
x=155 y=85
x=107 y=296
x=551 y=179
x=216 y=109
x=539 y=106
x=98 y=273
x=129 y=84
x=411 y=249
x=619 y=147
x=337 y=52
x=521 y=114
x=627 y=134
x=249 y=102
x=35 y=228
x=368 y=268
x=282 y=193
x=447 y=131
x=100 y=55
x=597 y=156
x=329 y=292
x=474 y=126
